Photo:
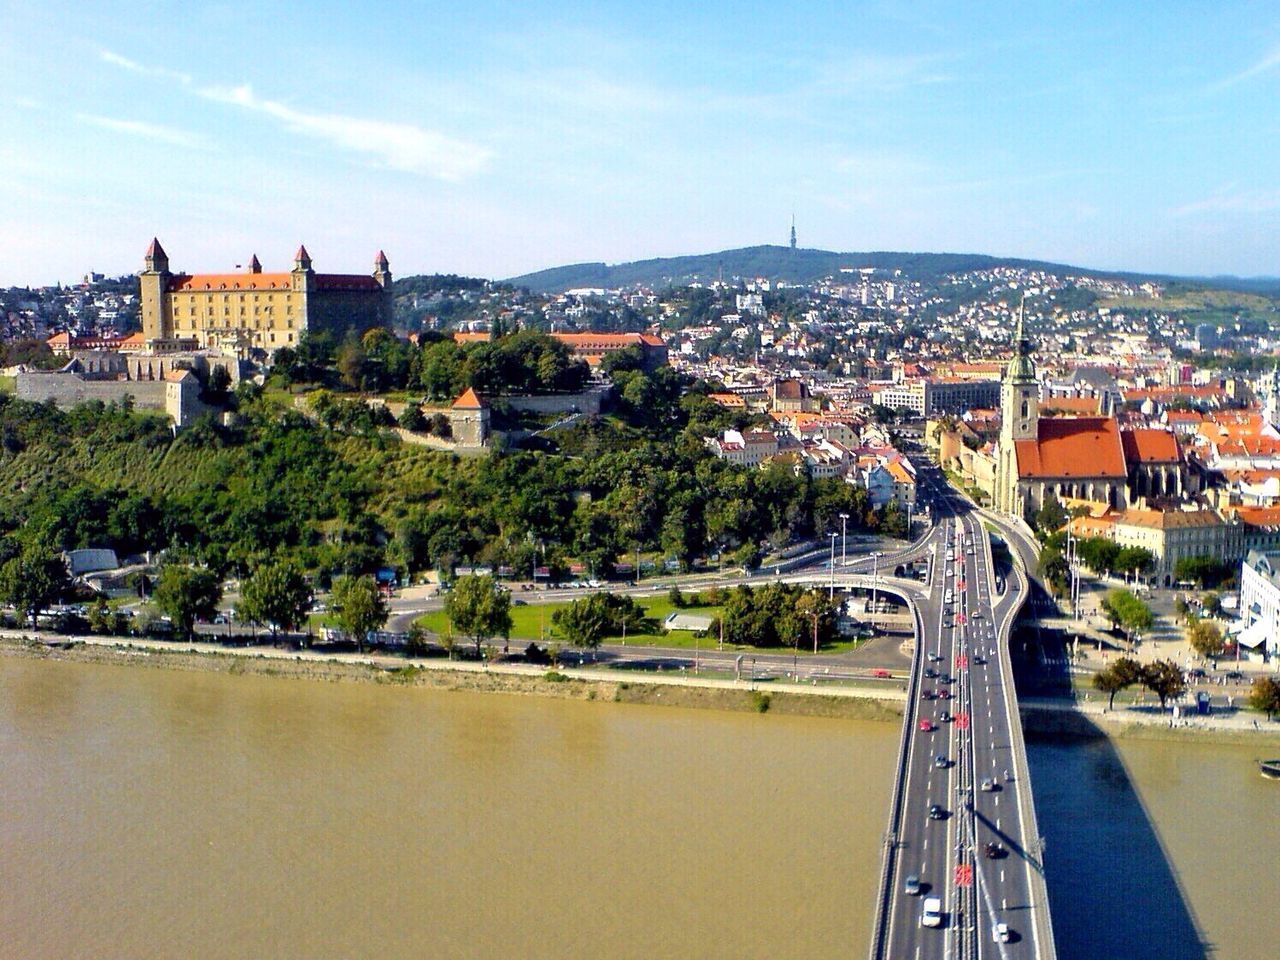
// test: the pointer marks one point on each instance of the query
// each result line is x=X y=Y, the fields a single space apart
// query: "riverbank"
x=1061 y=720
x=516 y=679
x=1040 y=718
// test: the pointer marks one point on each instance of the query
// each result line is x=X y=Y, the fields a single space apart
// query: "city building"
x=256 y=311
x=746 y=448
x=1260 y=602
x=930 y=395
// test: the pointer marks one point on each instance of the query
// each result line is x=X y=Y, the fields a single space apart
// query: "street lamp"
x=844 y=539
x=832 y=594
x=875 y=559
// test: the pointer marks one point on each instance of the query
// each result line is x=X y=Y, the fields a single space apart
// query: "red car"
x=944 y=694
x=927 y=725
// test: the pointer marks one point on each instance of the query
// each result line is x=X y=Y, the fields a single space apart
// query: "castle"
x=256 y=312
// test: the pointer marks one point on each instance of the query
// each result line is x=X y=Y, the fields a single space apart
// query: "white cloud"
x=124 y=63
x=1228 y=199
x=1265 y=65
x=141 y=128
x=400 y=146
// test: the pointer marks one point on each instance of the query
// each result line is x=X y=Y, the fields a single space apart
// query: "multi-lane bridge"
x=962 y=873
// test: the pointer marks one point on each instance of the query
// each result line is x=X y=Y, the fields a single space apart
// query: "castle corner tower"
x=157 y=322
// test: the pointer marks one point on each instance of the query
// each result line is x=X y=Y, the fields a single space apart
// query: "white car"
x=932 y=915
x=1000 y=933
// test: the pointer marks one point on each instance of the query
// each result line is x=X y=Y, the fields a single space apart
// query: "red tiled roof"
x=1080 y=447
x=229 y=281
x=1150 y=446
x=468 y=401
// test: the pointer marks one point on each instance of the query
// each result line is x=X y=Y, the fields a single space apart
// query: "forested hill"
x=808 y=266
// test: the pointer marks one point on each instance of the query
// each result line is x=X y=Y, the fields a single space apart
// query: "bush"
x=760 y=701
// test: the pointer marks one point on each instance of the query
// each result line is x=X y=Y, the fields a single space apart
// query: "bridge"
x=962 y=873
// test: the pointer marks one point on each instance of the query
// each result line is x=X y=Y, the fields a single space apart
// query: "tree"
x=441 y=426
x=412 y=418
x=582 y=623
x=276 y=594
x=186 y=594
x=479 y=608
x=1202 y=570
x=1205 y=638
x=1127 y=612
x=352 y=361
x=1054 y=568
x=1121 y=673
x=358 y=606
x=1051 y=517
x=33 y=580
x=1264 y=695
x=1164 y=678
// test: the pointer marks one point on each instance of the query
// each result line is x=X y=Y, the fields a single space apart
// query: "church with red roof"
x=1082 y=458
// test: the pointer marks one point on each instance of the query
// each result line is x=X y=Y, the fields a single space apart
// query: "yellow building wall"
x=269 y=319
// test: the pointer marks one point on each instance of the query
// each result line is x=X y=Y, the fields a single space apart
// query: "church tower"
x=157 y=322
x=1019 y=417
x=1020 y=391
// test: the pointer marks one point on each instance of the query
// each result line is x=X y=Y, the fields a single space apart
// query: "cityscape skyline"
x=495 y=141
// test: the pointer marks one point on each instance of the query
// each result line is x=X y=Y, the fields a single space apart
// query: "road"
x=960 y=739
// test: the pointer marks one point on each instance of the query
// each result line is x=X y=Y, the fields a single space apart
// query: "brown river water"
x=154 y=814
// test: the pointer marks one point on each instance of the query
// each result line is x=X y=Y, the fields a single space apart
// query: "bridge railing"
x=1045 y=947
x=889 y=858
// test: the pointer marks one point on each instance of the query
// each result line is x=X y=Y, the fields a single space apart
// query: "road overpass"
x=962 y=825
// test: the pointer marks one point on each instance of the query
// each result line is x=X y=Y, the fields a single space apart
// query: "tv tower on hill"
x=793 y=231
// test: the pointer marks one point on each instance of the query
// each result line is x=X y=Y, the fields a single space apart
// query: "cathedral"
x=1086 y=459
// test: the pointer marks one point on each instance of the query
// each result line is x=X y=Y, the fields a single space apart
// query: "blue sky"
x=496 y=138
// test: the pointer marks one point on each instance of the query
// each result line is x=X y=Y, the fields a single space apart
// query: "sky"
x=492 y=139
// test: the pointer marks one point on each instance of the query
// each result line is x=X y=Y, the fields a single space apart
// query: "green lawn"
x=532 y=621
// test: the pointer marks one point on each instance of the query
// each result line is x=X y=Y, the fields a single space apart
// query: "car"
x=931 y=916
x=1196 y=674
x=946 y=717
x=979 y=660
x=936 y=812
x=1000 y=933
x=935 y=656
x=1233 y=675
x=995 y=850
x=911 y=887
x=946 y=678
x=929 y=694
x=927 y=725
x=941 y=762
x=220 y=618
x=990 y=786
x=944 y=693
x=930 y=672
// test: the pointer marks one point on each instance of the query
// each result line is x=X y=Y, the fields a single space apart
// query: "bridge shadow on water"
x=1113 y=891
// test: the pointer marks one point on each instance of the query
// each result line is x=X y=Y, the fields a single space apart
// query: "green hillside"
x=808 y=266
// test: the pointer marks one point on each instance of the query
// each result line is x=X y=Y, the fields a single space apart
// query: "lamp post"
x=832 y=594
x=844 y=539
x=875 y=577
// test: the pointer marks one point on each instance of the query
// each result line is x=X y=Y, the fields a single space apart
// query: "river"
x=154 y=814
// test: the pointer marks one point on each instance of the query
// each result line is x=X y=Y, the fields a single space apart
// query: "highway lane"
x=963 y=638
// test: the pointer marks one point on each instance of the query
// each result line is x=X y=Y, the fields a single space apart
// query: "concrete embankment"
x=575 y=684
x=1093 y=721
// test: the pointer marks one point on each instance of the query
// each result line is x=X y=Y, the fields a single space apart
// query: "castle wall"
x=68 y=389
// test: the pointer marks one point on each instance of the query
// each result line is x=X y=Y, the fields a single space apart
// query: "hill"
x=808 y=266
